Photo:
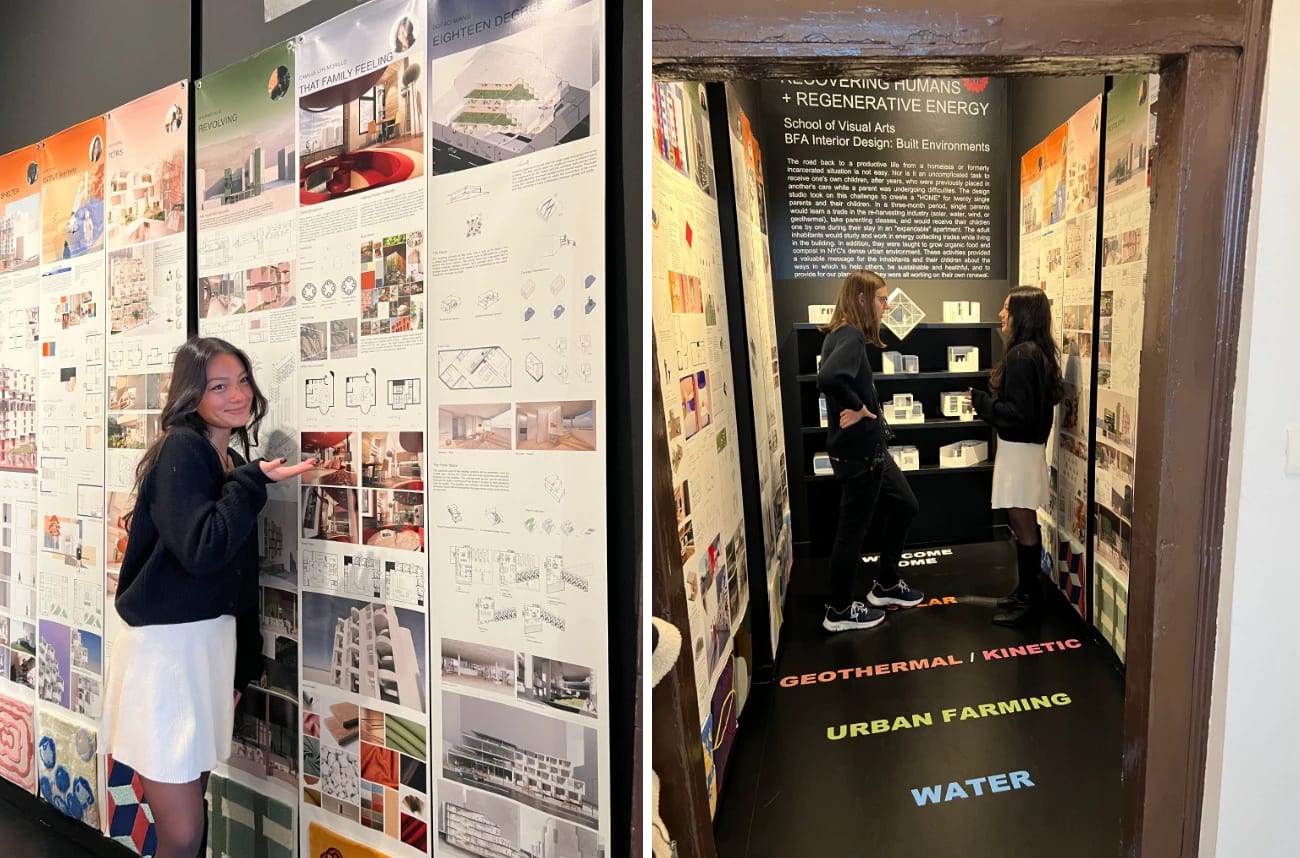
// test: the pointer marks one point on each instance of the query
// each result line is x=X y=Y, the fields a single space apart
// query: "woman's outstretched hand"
x=848 y=418
x=276 y=469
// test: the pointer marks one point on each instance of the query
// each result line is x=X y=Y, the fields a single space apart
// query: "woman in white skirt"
x=187 y=592
x=1024 y=389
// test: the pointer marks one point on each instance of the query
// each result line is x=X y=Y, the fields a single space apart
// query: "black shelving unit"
x=954 y=501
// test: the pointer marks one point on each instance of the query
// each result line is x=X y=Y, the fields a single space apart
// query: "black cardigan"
x=1022 y=409
x=191 y=551
x=845 y=378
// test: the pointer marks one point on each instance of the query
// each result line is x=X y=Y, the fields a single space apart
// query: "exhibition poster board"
x=315 y=164
x=1058 y=223
x=71 y=394
x=764 y=365
x=517 y=123
x=362 y=391
x=147 y=311
x=245 y=206
x=1130 y=144
x=689 y=314
x=20 y=246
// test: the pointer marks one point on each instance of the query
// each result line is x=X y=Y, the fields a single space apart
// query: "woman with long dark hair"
x=1024 y=389
x=870 y=481
x=187 y=593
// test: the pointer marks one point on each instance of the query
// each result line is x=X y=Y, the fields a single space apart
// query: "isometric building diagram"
x=463 y=369
x=508 y=101
x=468 y=192
x=534 y=367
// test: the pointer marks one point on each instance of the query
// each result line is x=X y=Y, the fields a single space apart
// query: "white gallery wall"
x=1254 y=749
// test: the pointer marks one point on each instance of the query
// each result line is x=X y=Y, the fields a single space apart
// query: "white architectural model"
x=375 y=657
x=961 y=311
x=903 y=314
x=963 y=359
x=956 y=403
x=893 y=363
x=963 y=454
x=907 y=458
x=903 y=409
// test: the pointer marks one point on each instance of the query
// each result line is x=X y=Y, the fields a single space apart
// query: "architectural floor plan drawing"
x=360 y=391
x=476 y=368
x=403 y=393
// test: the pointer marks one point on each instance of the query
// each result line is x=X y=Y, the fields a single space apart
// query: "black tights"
x=179 y=815
x=865 y=493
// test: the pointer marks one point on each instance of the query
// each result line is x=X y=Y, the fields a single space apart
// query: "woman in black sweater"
x=187 y=593
x=1025 y=388
x=870 y=481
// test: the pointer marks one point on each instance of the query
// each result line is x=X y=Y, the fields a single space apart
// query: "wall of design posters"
x=516 y=124
x=1130 y=142
x=314 y=166
x=690 y=323
x=764 y=365
x=20 y=248
x=246 y=201
x=1058 y=224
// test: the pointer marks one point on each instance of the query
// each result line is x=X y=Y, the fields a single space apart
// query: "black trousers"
x=868 y=491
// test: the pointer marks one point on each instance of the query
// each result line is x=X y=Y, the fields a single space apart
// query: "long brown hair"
x=189 y=382
x=1031 y=322
x=856 y=305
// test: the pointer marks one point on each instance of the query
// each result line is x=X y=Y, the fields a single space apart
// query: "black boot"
x=1026 y=604
x=1018 y=596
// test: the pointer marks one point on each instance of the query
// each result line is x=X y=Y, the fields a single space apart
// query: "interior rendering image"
x=555 y=426
x=362 y=134
x=474 y=427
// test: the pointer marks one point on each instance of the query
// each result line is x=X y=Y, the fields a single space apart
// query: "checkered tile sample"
x=130 y=821
x=246 y=824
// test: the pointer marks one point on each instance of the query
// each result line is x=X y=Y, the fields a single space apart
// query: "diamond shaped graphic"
x=903 y=314
x=689 y=235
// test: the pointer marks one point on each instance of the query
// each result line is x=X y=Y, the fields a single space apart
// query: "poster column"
x=1130 y=139
x=690 y=322
x=362 y=397
x=1072 y=163
x=20 y=280
x=146 y=311
x=246 y=205
x=764 y=365
x=71 y=390
x=516 y=363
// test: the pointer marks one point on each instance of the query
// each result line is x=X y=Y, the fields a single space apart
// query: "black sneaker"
x=898 y=596
x=855 y=616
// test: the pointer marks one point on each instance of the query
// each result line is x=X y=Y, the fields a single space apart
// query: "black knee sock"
x=1028 y=569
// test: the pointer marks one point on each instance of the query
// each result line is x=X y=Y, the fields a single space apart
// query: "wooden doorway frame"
x=1211 y=58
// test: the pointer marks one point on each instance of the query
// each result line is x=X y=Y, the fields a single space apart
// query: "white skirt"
x=1020 y=476
x=169 y=705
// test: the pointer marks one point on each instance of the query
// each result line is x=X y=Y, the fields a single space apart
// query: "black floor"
x=791 y=790
x=30 y=828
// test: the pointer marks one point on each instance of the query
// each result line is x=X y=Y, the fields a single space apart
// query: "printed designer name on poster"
x=528 y=12
x=346 y=75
